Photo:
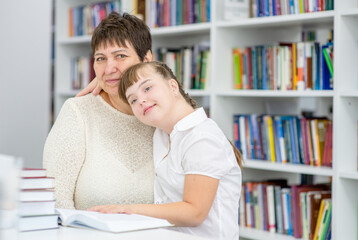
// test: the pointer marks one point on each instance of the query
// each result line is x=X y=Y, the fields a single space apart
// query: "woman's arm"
x=93 y=87
x=64 y=154
x=199 y=194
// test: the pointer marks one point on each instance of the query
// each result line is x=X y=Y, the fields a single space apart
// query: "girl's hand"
x=111 y=209
x=93 y=87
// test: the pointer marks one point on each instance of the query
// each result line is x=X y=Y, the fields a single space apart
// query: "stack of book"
x=37 y=204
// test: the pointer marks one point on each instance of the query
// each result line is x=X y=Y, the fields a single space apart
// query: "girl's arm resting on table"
x=93 y=87
x=199 y=194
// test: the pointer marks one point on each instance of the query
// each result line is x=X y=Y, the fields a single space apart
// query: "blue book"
x=267 y=8
x=289 y=209
x=287 y=136
x=178 y=18
x=254 y=68
x=278 y=208
x=258 y=8
x=293 y=141
x=263 y=132
x=274 y=7
x=280 y=140
x=317 y=52
x=208 y=9
x=276 y=141
x=237 y=132
x=259 y=66
x=256 y=136
x=292 y=7
x=300 y=140
x=173 y=12
x=327 y=82
x=252 y=147
x=264 y=68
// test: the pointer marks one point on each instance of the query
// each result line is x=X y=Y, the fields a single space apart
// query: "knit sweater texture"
x=99 y=155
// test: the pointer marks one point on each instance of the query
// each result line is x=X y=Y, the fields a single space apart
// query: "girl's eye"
x=133 y=101
x=147 y=88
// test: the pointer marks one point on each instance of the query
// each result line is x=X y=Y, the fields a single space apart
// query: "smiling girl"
x=198 y=177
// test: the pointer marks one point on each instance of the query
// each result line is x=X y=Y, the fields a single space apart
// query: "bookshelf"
x=223 y=102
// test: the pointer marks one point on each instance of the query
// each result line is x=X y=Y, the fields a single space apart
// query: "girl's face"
x=110 y=63
x=152 y=98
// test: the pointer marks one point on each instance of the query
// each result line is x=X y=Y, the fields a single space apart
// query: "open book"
x=108 y=222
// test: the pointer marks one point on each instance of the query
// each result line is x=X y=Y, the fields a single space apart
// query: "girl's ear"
x=174 y=86
x=148 y=56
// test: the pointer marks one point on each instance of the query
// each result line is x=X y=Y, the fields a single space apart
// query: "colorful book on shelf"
x=237 y=68
x=314 y=199
x=296 y=190
x=324 y=225
x=286 y=208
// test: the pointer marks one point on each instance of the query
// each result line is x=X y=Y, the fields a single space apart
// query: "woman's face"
x=111 y=62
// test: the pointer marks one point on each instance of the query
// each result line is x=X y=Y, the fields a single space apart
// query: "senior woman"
x=97 y=151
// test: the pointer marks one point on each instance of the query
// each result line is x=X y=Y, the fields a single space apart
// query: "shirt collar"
x=190 y=121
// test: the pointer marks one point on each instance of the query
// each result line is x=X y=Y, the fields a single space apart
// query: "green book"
x=326 y=221
x=327 y=58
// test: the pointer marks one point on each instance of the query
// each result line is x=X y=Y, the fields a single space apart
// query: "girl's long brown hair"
x=131 y=76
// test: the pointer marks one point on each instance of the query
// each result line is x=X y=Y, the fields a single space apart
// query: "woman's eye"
x=120 y=56
x=99 y=59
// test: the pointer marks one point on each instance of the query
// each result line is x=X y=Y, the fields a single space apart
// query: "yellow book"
x=237 y=68
x=271 y=140
x=294 y=69
x=319 y=219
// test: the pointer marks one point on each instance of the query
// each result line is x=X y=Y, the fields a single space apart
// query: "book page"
x=109 y=222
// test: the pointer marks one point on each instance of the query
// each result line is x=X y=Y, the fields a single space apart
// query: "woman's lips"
x=112 y=81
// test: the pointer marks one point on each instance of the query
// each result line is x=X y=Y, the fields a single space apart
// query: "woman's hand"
x=111 y=209
x=93 y=87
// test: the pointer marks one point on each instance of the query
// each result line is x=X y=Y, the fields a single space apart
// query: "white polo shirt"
x=198 y=146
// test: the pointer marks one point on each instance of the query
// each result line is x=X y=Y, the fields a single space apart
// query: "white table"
x=68 y=233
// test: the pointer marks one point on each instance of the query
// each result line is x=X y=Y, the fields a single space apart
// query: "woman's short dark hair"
x=118 y=28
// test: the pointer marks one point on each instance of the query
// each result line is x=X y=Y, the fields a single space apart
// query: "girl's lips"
x=147 y=109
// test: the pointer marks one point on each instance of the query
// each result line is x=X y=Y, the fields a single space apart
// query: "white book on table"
x=108 y=222
x=36 y=182
x=40 y=222
x=30 y=208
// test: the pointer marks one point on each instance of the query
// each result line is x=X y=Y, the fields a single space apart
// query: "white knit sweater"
x=99 y=155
